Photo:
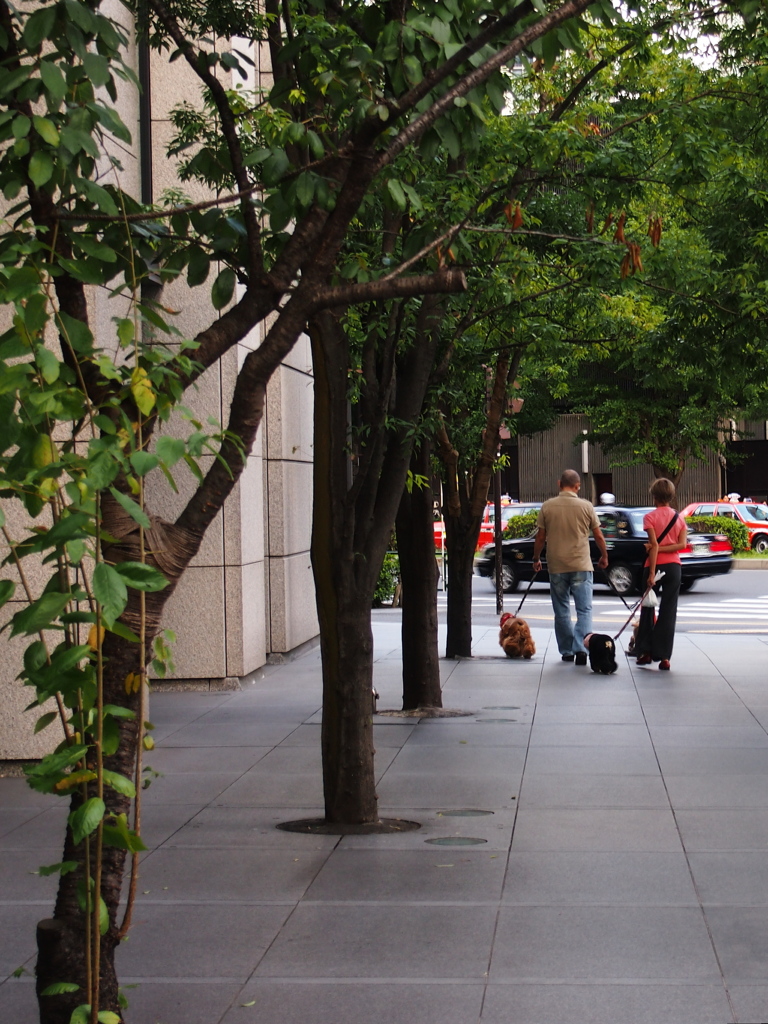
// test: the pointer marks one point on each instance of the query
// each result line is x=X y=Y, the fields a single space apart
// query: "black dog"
x=602 y=653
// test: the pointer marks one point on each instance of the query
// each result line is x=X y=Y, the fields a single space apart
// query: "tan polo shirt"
x=569 y=521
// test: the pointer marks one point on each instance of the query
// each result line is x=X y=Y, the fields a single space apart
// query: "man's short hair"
x=663 y=490
x=570 y=478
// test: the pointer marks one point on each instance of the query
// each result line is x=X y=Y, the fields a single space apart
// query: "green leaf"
x=125 y=332
x=110 y=590
x=223 y=288
x=7 y=589
x=86 y=818
x=395 y=189
x=120 y=629
x=64 y=868
x=21 y=126
x=53 y=79
x=59 y=988
x=40 y=168
x=122 y=837
x=46 y=130
x=107 y=1016
x=170 y=449
x=97 y=69
x=275 y=166
x=440 y=31
x=199 y=265
x=39 y=26
x=129 y=505
x=119 y=783
x=49 y=365
x=81 y=1015
x=110 y=736
x=80 y=14
x=39 y=614
x=143 y=462
x=77 y=334
x=99 y=195
x=141 y=576
x=305 y=188
x=45 y=720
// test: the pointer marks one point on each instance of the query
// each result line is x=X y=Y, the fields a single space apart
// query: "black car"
x=707 y=554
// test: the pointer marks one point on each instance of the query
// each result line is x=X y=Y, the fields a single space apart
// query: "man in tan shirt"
x=565 y=523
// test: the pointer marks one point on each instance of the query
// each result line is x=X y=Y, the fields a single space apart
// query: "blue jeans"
x=563 y=585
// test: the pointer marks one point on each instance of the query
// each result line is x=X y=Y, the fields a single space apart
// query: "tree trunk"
x=461 y=535
x=61 y=939
x=344 y=586
x=62 y=952
x=359 y=476
x=418 y=576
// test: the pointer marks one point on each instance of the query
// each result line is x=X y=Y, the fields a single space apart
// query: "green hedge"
x=521 y=526
x=388 y=579
x=736 y=532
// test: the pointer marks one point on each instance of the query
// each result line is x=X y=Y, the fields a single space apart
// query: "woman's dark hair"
x=663 y=490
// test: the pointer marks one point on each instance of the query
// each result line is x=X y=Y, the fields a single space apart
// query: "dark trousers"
x=657 y=639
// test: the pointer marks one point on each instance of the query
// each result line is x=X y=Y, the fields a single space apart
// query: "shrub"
x=389 y=577
x=735 y=531
x=521 y=526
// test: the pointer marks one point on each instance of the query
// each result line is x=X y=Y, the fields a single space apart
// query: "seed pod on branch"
x=517 y=220
x=590 y=218
x=619 y=235
x=654 y=231
x=607 y=224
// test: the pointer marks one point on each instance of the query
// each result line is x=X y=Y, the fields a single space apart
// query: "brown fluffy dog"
x=515 y=637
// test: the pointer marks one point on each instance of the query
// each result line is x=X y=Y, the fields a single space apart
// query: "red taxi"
x=751 y=513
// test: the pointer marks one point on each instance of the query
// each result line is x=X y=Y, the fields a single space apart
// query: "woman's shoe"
x=645 y=659
x=664 y=665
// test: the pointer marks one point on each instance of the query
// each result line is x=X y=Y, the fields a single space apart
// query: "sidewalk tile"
x=353 y=1002
x=600 y=944
x=374 y=940
x=588 y=829
x=606 y=1004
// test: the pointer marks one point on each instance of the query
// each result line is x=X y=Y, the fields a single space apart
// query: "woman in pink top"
x=667 y=536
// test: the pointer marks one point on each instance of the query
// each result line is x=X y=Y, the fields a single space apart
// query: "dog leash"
x=611 y=586
x=634 y=609
x=533 y=578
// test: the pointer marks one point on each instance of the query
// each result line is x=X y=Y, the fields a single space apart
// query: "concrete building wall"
x=249 y=591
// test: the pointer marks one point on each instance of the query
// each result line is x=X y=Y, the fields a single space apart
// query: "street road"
x=736 y=603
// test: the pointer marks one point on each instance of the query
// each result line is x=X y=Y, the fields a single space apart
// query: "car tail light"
x=720 y=543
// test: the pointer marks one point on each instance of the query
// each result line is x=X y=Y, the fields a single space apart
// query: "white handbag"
x=651 y=599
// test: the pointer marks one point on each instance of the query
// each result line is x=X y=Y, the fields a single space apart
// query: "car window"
x=758 y=513
x=624 y=527
x=705 y=510
x=724 y=510
x=636 y=519
x=608 y=524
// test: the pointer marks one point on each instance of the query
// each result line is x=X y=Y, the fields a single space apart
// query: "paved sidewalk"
x=621 y=875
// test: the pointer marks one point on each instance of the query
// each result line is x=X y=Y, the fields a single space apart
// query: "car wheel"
x=622 y=578
x=686 y=585
x=760 y=544
x=509 y=580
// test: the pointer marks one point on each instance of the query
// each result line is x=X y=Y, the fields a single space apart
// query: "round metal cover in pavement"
x=469 y=812
x=455 y=841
